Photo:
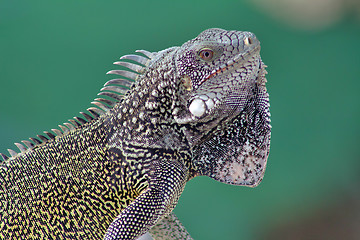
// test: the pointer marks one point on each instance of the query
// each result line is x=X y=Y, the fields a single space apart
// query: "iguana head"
x=224 y=105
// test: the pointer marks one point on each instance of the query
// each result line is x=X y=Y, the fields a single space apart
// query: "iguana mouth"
x=239 y=59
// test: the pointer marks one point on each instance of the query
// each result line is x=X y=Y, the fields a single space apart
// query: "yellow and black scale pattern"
x=71 y=189
x=121 y=171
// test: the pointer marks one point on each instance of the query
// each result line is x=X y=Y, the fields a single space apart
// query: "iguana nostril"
x=248 y=41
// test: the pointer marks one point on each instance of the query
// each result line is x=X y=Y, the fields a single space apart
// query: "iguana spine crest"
x=113 y=90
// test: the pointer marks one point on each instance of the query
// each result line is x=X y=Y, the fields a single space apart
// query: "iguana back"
x=68 y=187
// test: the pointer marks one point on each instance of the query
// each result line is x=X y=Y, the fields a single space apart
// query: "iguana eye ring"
x=206 y=54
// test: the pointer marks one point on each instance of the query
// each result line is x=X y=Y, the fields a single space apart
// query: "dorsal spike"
x=80 y=120
x=146 y=53
x=124 y=73
x=51 y=136
x=4 y=156
x=12 y=153
x=114 y=90
x=140 y=59
x=131 y=66
x=108 y=102
x=57 y=131
x=28 y=143
x=36 y=141
x=75 y=123
x=115 y=96
x=119 y=81
x=64 y=129
x=20 y=147
x=69 y=126
x=95 y=111
x=119 y=89
x=102 y=106
x=42 y=138
x=87 y=116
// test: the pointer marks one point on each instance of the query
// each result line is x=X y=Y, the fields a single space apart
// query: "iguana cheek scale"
x=118 y=171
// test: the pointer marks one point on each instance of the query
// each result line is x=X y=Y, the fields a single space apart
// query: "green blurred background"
x=53 y=60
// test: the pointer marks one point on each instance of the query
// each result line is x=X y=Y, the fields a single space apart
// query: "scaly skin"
x=198 y=109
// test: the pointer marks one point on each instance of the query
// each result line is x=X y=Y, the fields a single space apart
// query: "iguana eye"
x=206 y=54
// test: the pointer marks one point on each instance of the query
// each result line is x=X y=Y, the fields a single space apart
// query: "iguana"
x=118 y=171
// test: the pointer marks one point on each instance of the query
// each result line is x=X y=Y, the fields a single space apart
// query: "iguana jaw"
x=235 y=150
x=224 y=89
x=239 y=60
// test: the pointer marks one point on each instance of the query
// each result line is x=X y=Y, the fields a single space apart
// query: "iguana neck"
x=144 y=118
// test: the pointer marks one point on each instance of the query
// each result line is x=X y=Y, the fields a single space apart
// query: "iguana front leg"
x=168 y=178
